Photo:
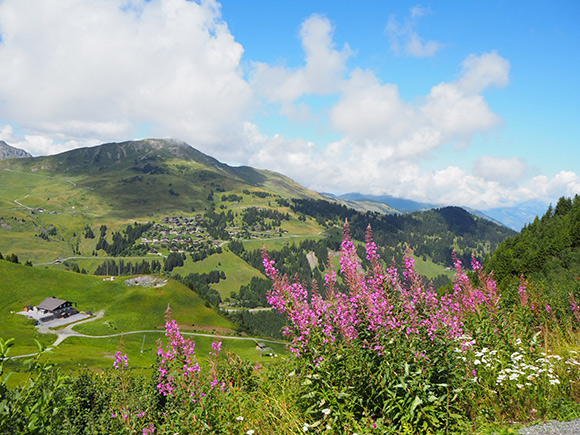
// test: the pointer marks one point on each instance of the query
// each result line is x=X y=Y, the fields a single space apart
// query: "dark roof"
x=50 y=304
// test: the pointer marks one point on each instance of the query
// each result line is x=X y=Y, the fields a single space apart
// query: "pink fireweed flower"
x=475 y=265
x=574 y=307
x=179 y=353
x=149 y=429
x=216 y=346
x=378 y=306
x=120 y=360
x=522 y=292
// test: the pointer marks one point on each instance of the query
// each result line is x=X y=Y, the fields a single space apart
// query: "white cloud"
x=503 y=170
x=321 y=75
x=71 y=67
x=79 y=72
x=481 y=72
x=43 y=145
x=403 y=37
x=373 y=115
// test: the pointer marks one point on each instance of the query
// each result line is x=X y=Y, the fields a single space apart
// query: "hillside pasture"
x=126 y=308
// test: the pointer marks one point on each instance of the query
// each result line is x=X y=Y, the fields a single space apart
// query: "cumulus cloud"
x=71 y=67
x=373 y=115
x=503 y=170
x=385 y=139
x=481 y=72
x=79 y=72
x=404 y=38
x=321 y=75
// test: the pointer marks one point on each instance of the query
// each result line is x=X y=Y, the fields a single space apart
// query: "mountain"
x=514 y=217
x=518 y=215
x=145 y=177
x=362 y=205
x=9 y=152
x=48 y=205
x=399 y=204
x=432 y=234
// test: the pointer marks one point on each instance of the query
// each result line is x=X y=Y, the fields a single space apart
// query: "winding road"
x=66 y=332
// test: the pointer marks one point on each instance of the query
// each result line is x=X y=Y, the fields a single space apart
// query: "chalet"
x=54 y=307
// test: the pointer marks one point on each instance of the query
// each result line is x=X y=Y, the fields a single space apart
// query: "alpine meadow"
x=227 y=300
x=280 y=218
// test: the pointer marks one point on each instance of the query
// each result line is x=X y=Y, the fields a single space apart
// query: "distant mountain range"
x=514 y=217
x=9 y=152
x=399 y=205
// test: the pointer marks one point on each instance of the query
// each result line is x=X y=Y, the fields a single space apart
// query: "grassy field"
x=126 y=308
x=79 y=353
x=430 y=269
x=238 y=272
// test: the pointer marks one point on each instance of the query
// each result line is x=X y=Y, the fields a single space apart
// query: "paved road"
x=63 y=334
x=553 y=428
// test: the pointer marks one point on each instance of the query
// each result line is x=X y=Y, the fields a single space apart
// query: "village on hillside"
x=183 y=234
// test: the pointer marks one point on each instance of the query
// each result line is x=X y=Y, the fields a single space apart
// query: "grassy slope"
x=237 y=271
x=127 y=308
x=431 y=270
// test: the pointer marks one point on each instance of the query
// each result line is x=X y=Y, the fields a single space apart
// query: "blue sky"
x=466 y=103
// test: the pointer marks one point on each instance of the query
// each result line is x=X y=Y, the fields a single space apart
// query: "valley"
x=124 y=231
x=122 y=210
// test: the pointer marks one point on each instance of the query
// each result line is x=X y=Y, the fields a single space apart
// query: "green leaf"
x=416 y=403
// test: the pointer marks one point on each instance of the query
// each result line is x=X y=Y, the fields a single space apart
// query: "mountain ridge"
x=151 y=157
x=10 y=152
x=143 y=177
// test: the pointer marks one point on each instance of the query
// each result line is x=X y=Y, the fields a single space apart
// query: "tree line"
x=546 y=253
x=430 y=234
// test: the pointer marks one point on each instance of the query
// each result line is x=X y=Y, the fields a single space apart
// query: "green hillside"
x=546 y=252
x=139 y=178
x=127 y=308
x=115 y=184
